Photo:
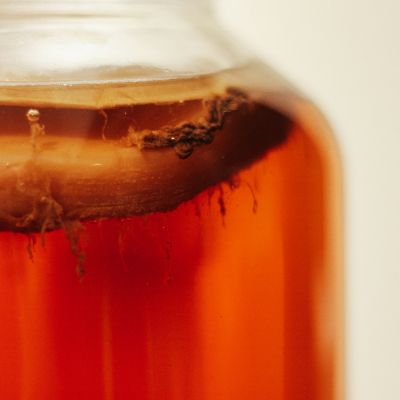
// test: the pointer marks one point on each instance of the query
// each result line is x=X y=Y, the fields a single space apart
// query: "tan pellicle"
x=69 y=150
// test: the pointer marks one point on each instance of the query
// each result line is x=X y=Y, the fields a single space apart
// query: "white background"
x=346 y=55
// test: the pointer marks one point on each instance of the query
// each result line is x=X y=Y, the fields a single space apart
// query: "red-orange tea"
x=167 y=249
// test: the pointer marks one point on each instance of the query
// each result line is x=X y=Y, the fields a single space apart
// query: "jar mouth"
x=75 y=42
x=51 y=63
x=87 y=8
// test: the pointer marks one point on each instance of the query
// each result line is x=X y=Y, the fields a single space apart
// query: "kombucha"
x=167 y=240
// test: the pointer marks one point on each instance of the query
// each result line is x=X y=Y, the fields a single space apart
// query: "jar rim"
x=31 y=8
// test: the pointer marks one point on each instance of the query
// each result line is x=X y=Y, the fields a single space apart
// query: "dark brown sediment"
x=77 y=175
x=185 y=136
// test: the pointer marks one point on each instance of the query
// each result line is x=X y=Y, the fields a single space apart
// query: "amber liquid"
x=229 y=295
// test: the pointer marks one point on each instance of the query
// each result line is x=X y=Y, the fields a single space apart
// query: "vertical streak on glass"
x=107 y=349
x=36 y=343
x=10 y=326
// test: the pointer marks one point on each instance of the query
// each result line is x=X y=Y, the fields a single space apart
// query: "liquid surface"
x=227 y=291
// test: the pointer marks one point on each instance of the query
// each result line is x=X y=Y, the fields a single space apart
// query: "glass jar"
x=170 y=212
